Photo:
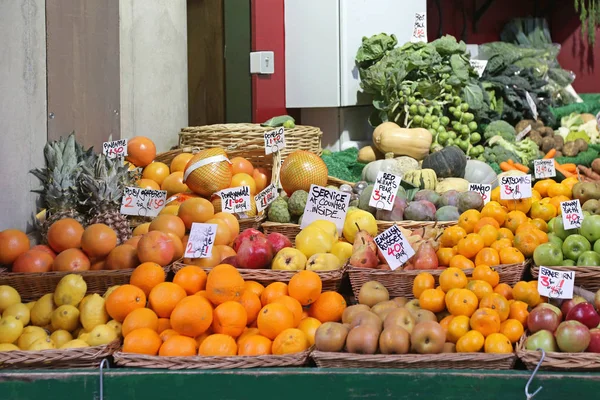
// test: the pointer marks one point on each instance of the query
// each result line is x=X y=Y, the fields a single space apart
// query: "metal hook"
x=104 y=364
x=528 y=395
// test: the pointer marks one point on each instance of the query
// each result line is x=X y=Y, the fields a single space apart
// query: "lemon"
x=117 y=327
x=109 y=291
x=101 y=335
x=92 y=311
x=70 y=290
x=74 y=344
x=10 y=329
x=30 y=334
x=41 y=312
x=20 y=311
x=8 y=297
x=61 y=337
x=8 y=347
x=42 y=344
x=65 y=317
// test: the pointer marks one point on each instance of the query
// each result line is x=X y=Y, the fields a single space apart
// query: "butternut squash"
x=415 y=142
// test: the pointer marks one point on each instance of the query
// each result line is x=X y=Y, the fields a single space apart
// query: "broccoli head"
x=526 y=149
x=500 y=128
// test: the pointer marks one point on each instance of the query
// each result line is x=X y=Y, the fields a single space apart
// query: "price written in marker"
x=201 y=240
x=572 y=215
x=274 y=140
x=515 y=187
x=235 y=200
x=556 y=284
x=544 y=169
x=266 y=197
x=143 y=202
x=483 y=189
x=479 y=66
x=532 y=106
x=327 y=204
x=384 y=191
x=420 y=28
x=523 y=133
x=394 y=247
x=114 y=149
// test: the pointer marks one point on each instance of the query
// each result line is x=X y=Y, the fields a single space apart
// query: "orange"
x=487 y=256
x=293 y=305
x=451 y=236
x=495 y=197
x=305 y=286
x=309 y=326
x=558 y=189
x=483 y=221
x=526 y=242
x=461 y=302
x=256 y=287
x=173 y=184
x=243 y=179
x=123 y=300
x=461 y=262
x=543 y=211
x=470 y=245
x=141 y=151
x=540 y=224
x=504 y=289
x=432 y=300
x=486 y=321
x=141 y=229
x=262 y=177
x=180 y=161
x=528 y=226
x=519 y=312
x=484 y=272
x=489 y=233
x=163 y=325
x=523 y=291
x=523 y=205
x=511 y=255
x=98 y=240
x=195 y=209
x=542 y=186
x=272 y=292
x=501 y=244
x=514 y=219
x=445 y=323
x=480 y=288
x=241 y=165
x=229 y=318
x=164 y=297
x=224 y=283
x=232 y=222
x=471 y=342
x=251 y=303
x=224 y=234
x=495 y=211
x=167 y=333
x=422 y=282
x=468 y=220
x=218 y=345
x=255 y=345
x=458 y=327
x=541 y=235
x=247 y=333
x=290 y=341
x=167 y=223
x=156 y=171
x=273 y=319
x=512 y=329
x=444 y=255
x=556 y=200
x=146 y=276
x=496 y=302
x=328 y=307
x=570 y=182
x=497 y=343
x=65 y=234
x=505 y=233
x=13 y=243
x=451 y=278
x=142 y=341
x=140 y=318
x=178 y=346
x=147 y=184
x=191 y=278
x=192 y=316
x=70 y=260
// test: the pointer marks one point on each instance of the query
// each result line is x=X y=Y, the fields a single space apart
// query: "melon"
x=301 y=169
x=209 y=171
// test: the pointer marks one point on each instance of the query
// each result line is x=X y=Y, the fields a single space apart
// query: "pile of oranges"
x=220 y=314
x=478 y=313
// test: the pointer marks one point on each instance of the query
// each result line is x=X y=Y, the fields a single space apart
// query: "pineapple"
x=102 y=189
x=65 y=159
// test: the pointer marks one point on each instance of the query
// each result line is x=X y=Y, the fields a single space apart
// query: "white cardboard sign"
x=384 y=191
x=394 y=247
x=556 y=284
x=266 y=197
x=201 y=240
x=515 y=187
x=544 y=168
x=326 y=204
x=142 y=202
x=235 y=200
x=274 y=140
x=479 y=66
x=485 y=190
x=420 y=28
x=572 y=215
x=114 y=149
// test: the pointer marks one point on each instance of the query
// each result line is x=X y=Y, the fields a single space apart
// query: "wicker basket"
x=554 y=361
x=200 y=362
x=331 y=279
x=86 y=357
x=585 y=277
x=399 y=283
x=415 y=361
x=32 y=286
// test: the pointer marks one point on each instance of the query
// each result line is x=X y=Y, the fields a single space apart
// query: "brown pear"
x=372 y=292
x=394 y=340
x=424 y=315
x=350 y=312
x=331 y=336
x=364 y=257
x=400 y=317
x=364 y=238
x=367 y=318
x=363 y=340
x=382 y=309
x=401 y=301
x=413 y=305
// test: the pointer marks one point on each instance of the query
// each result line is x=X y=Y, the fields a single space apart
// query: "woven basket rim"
x=403 y=224
x=415 y=272
x=414 y=358
x=556 y=360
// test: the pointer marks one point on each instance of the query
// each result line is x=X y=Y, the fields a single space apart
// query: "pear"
x=364 y=257
x=425 y=257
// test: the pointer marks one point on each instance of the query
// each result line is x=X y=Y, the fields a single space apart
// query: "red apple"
x=572 y=337
x=231 y=260
x=553 y=308
x=247 y=233
x=254 y=253
x=278 y=241
x=567 y=305
x=541 y=318
x=594 y=346
x=584 y=313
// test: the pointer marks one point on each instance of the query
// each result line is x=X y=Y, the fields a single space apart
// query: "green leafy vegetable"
x=500 y=128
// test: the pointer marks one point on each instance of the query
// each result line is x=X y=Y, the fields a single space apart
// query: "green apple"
x=596 y=246
x=548 y=255
x=552 y=238
x=559 y=229
x=574 y=246
x=590 y=228
x=568 y=263
x=551 y=225
x=588 y=259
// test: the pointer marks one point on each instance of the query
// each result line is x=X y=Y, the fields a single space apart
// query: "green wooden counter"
x=297 y=383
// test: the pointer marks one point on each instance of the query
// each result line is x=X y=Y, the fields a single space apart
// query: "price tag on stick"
x=556 y=284
x=544 y=169
x=274 y=140
x=384 y=191
x=394 y=246
x=572 y=215
x=201 y=240
x=420 y=28
x=235 y=200
x=479 y=66
x=327 y=204
x=114 y=149
x=142 y=202
x=266 y=197
x=523 y=133
x=515 y=187
x=532 y=106
x=483 y=189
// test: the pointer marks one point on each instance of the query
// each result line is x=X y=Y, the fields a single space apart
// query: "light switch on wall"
x=262 y=62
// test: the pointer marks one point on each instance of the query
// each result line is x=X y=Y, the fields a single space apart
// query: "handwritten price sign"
x=201 y=240
x=484 y=190
x=420 y=28
x=544 y=169
x=515 y=187
x=556 y=284
x=274 y=140
x=327 y=204
x=384 y=191
x=572 y=215
x=532 y=105
x=479 y=66
x=266 y=197
x=114 y=149
x=235 y=200
x=143 y=202
x=394 y=246
x=523 y=133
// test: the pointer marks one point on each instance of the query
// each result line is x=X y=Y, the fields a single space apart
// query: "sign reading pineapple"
x=114 y=149
x=142 y=202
